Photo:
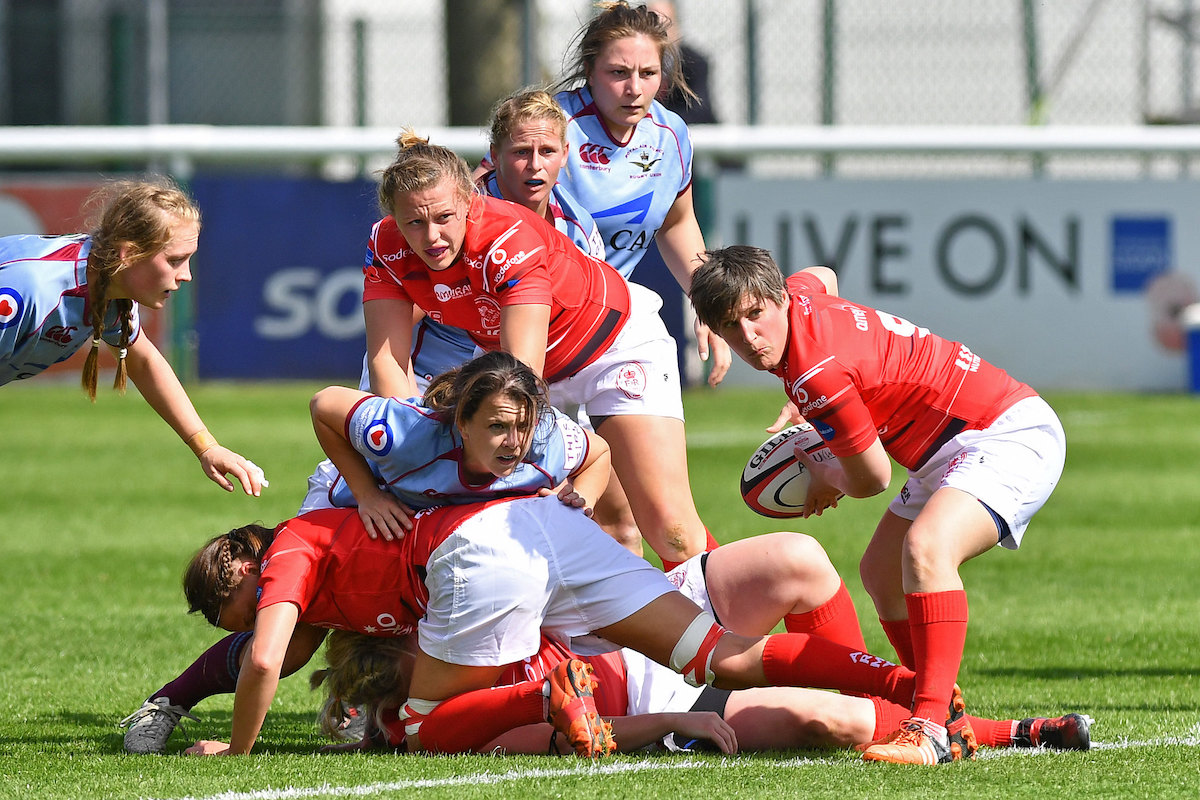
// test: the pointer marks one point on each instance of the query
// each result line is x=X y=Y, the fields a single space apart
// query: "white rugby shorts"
x=517 y=568
x=1012 y=466
x=637 y=375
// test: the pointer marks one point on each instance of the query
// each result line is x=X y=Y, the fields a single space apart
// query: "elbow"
x=867 y=485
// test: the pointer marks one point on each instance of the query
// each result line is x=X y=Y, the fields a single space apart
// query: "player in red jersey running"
x=982 y=450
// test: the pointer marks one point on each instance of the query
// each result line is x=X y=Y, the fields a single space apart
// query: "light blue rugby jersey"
x=417 y=458
x=628 y=188
x=43 y=303
x=570 y=217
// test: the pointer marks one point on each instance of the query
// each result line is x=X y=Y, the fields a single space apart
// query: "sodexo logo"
x=301 y=299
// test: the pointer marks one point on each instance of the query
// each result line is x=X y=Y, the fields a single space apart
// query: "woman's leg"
x=650 y=456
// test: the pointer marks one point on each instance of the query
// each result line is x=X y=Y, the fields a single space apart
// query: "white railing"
x=183 y=146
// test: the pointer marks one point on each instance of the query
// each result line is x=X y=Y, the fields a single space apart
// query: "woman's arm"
x=381 y=512
x=826 y=276
x=681 y=244
x=258 y=680
x=524 y=331
x=631 y=733
x=389 y=346
x=157 y=382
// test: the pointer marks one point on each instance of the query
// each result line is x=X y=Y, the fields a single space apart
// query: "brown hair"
x=371 y=671
x=210 y=576
x=455 y=395
x=522 y=107
x=141 y=216
x=729 y=275
x=419 y=165
x=619 y=20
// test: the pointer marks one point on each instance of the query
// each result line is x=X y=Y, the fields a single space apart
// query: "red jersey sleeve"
x=517 y=265
x=386 y=254
x=290 y=568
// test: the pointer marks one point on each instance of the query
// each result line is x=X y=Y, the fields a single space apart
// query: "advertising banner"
x=1065 y=284
x=278 y=277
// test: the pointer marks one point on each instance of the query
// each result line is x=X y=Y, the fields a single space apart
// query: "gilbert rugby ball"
x=774 y=482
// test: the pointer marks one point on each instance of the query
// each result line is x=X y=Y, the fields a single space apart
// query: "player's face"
x=433 y=221
x=624 y=79
x=150 y=281
x=528 y=162
x=495 y=439
x=757 y=332
x=240 y=608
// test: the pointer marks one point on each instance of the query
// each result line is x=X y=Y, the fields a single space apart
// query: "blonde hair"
x=618 y=20
x=419 y=165
x=139 y=216
x=521 y=107
x=370 y=671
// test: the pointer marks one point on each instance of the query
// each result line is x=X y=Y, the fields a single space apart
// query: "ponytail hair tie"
x=95 y=342
x=124 y=351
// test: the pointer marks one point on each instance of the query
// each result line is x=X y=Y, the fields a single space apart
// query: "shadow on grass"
x=290 y=732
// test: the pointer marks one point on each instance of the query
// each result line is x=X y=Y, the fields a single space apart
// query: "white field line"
x=491 y=778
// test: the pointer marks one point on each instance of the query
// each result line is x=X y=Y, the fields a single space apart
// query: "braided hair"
x=211 y=575
x=139 y=217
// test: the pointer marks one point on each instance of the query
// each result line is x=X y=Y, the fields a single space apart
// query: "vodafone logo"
x=593 y=153
x=378 y=437
x=799 y=394
x=11 y=305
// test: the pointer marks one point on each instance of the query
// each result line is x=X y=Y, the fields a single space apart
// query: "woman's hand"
x=205 y=747
x=706 y=725
x=384 y=515
x=710 y=345
x=568 y=496
x=219 y=461
x=788 y=415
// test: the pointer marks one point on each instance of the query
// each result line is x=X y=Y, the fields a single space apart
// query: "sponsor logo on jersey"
x=59 y=334
x=644 y=158
x=819 y=402
x=11 y=306
x=489 y=312
x=631 y=379
x=445 y=293
x=592 y=153
x=388 y=624
x=825 y=429
x=378 y=437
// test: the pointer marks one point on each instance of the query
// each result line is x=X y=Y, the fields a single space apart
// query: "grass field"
x=1098 y=612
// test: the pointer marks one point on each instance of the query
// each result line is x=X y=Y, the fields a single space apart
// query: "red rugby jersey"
x=510 y=256
x=857 y=373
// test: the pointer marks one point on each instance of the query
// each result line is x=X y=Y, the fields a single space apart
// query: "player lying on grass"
x=270 y=583
x=646 y=704
x=750 y=585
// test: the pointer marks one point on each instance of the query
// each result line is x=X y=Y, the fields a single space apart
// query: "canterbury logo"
x=593 y=154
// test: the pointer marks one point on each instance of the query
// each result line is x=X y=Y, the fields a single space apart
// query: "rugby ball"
x=774 y=482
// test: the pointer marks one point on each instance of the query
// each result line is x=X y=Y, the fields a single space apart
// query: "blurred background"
x=1016 y=174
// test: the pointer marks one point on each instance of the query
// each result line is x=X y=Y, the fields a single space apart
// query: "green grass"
x=1097 y=612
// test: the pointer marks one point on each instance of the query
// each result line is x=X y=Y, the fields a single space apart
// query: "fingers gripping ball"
x=775 y=482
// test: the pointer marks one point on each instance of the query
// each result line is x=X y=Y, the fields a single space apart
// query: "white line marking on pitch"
x=485 y=778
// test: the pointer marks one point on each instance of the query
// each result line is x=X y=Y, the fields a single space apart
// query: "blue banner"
x=278 y=276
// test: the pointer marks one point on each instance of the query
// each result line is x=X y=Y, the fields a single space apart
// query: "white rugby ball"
x=774 y=482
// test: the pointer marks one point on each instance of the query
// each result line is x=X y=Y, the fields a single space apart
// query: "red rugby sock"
x=800 y=659
x=939 y=630
x=835 y=620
